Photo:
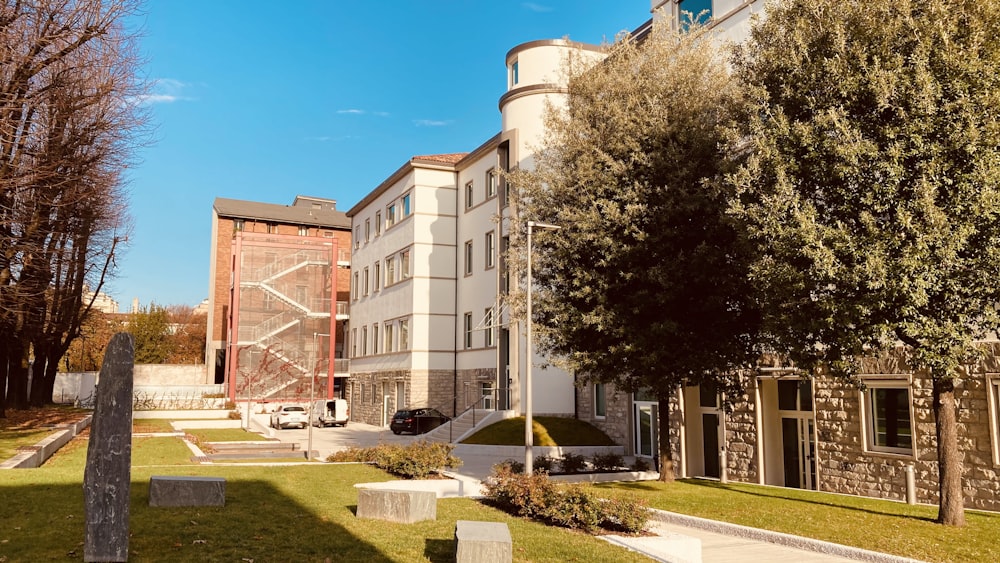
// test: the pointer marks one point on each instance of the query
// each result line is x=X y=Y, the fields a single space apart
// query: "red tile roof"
x=452 y=158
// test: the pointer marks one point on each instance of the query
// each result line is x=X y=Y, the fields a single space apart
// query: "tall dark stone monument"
x=107 y=477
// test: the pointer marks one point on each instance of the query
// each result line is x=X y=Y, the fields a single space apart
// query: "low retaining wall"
x=40 y=452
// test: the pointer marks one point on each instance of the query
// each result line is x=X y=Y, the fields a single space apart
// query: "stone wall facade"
x=421 y=389
x=742 y=463
x=617 y=422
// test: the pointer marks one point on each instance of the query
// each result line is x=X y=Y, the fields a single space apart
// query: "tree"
x=69 y=112
x=187 y=338
x=873 y=187
x=645 y=284
x=151 y=330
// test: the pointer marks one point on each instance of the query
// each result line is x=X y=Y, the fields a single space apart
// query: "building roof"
x=286 y=214
x=439 y=161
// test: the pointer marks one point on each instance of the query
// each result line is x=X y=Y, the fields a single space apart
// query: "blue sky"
x=262 y=100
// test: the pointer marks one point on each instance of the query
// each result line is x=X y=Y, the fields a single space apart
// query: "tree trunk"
x=951 y=507
x=666 y=454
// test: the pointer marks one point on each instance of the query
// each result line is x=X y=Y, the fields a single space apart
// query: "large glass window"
x=888 y=409
x=406 y=205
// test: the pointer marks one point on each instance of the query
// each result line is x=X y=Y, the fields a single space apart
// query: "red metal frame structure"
x=283 y=295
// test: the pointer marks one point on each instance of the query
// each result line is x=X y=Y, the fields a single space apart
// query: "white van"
x=329 y=412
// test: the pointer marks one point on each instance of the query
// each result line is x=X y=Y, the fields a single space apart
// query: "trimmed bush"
x=608 y=462
x=573 y=463
x=543 y=463
x=573 y=506
x=415 y=461
x=511 y=465
x=640 y=464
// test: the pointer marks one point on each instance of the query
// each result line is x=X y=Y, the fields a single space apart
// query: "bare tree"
x=70 y=112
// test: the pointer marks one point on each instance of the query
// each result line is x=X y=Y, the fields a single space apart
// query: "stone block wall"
x=742 y=463
x=617 y=423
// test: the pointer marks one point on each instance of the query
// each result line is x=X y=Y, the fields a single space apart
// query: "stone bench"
x=395 y=505
x=186 y=491
x=482 y=542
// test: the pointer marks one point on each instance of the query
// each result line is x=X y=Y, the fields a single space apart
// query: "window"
x=354 y=291
x=504 y=270
x=362 y=392
x=375 y=393
x=513 y=74
x=375 y=338
x=467 y=330
x=468 y=258
x=376 y=277
x=390 y=270
x=406 y=205
x=378 y=222
x=364 y=282
x=354 y=343
x=238 y=224
x=390 y=216
x=503 y=158
x=468 y=195
x=387 y=342
x=357 y=236
x=404 y=264
x=694 y=11
x=368 y=230
x=404 y=334
x=600 y=401
x=491 y=184
x=887 y=405
x=364 y=341
x=272 y=229
x=488 y=339
x=491 y=249
x=303 y=231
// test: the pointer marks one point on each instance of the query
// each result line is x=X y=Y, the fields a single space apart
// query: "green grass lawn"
x=547 y=430
x=225 y=435
x=10 y=440
x=151 y=425
x=878 y=525
x=290 y=513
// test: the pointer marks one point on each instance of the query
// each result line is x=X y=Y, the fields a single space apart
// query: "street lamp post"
x=312 y=395
x=529 y=438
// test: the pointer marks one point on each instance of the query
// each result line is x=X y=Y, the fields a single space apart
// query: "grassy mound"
x=548 y=431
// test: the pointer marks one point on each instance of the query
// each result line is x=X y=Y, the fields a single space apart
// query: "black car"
x=416 y=421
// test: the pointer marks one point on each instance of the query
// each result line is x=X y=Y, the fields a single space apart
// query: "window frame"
x=467 y=254
x=993 y=411
x=869 y=416
x=469 y=194
x=364 y=282
x=390 y=215
x=404 y=334
x=376 y=276
x=489 y=253
x=404 y=264
x=378 y=222
x=390 y=270
x=600 y=402
x=489 y=339
x=368 y=231
x=491 y=183
x=375 y=338
x=364 y=340
x=467 y=331
x=388 y=343
x=406 y=207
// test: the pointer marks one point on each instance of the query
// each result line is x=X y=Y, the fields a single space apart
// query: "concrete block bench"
x=395 y=505
x=482 y=542
x=186 y=491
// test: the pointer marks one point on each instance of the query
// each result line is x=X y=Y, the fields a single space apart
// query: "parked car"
x=332 y=412
x=289 y=415
x=416 y=421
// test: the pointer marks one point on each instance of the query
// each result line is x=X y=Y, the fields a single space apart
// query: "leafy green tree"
x=873 y=187
x=151 y=329
x=645 y=285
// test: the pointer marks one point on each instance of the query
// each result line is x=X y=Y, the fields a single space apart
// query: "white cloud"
x=431 y=122
x=164 y=91
x=356 y=111
x=352 y=111
x=536 y=7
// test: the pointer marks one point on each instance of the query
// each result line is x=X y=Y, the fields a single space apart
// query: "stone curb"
x=43 y=450
x=779 y=538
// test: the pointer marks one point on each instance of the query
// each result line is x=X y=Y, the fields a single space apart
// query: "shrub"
x=515 y=492
x=543 y=463
x=624 y=515
x=512 y=465
x=572 y=463
x=573 y=506
x=235 y=415
x=640 y=464
x=415 y=461
x=608 y=461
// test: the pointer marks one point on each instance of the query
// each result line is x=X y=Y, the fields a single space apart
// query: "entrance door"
x=710 y=443
x=645 y=429
x=797 y=433
x=797 y=446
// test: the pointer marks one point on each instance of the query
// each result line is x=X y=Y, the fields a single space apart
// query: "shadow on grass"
x=440 y=551
x=829 y=501
x=46 y=521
